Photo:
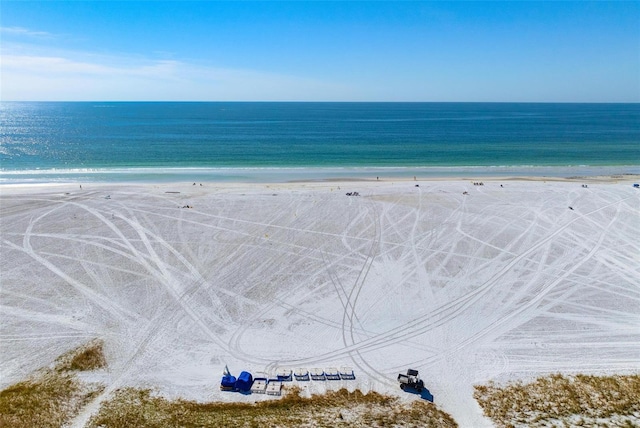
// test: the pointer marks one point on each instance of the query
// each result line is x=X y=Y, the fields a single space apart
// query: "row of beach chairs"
x=344 y=373
x=262 y=384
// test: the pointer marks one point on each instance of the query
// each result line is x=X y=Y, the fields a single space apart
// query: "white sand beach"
x=467 y=283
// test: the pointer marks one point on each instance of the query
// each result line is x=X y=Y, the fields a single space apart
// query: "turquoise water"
x=97 y=141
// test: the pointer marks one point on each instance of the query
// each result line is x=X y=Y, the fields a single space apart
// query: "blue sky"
x=321 y=51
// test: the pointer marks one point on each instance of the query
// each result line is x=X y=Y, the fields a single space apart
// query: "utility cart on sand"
x=411 y=380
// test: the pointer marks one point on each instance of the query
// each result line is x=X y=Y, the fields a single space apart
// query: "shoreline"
x=72 y=186
x=252 y=175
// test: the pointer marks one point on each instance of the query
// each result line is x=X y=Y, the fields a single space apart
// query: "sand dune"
x=512 y=280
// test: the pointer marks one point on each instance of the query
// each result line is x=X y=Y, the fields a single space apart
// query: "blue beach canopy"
x=244 y=382
x=228 y=381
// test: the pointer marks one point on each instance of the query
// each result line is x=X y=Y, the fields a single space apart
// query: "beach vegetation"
x=52 y=396
x=89 y=356
x=579 y=400
x=342 y=408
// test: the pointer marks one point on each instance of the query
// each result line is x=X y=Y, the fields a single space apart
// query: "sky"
x=501 y=51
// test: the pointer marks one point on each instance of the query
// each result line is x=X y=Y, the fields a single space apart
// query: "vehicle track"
x=448 y=311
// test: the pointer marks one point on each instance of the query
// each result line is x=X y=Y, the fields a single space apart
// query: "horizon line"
x=320 y=102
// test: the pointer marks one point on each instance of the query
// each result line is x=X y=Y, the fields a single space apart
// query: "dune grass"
x=558 y=400
x=140 y=408
x=89 y=356
x=51 y=397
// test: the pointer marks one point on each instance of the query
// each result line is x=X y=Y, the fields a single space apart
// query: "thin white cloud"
x=21 y=31
x=56 y=77
x=56 y=65
x=30 y=75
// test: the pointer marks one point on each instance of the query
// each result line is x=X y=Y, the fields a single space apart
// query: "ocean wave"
x=284 y=174
x=178 y=170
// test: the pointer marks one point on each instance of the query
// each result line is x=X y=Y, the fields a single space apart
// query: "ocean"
x=274 y=141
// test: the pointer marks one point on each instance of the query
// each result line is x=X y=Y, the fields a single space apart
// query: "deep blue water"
x=95 y=140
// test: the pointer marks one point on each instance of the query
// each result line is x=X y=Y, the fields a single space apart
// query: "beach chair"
x=274 y=388
x=301 y=374
x=284 y=375
x=346 y=373
x=317 y=374
x=332 y=373
x=259 y=385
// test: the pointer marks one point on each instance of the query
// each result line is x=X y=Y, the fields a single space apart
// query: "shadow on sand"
x=425 y=394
